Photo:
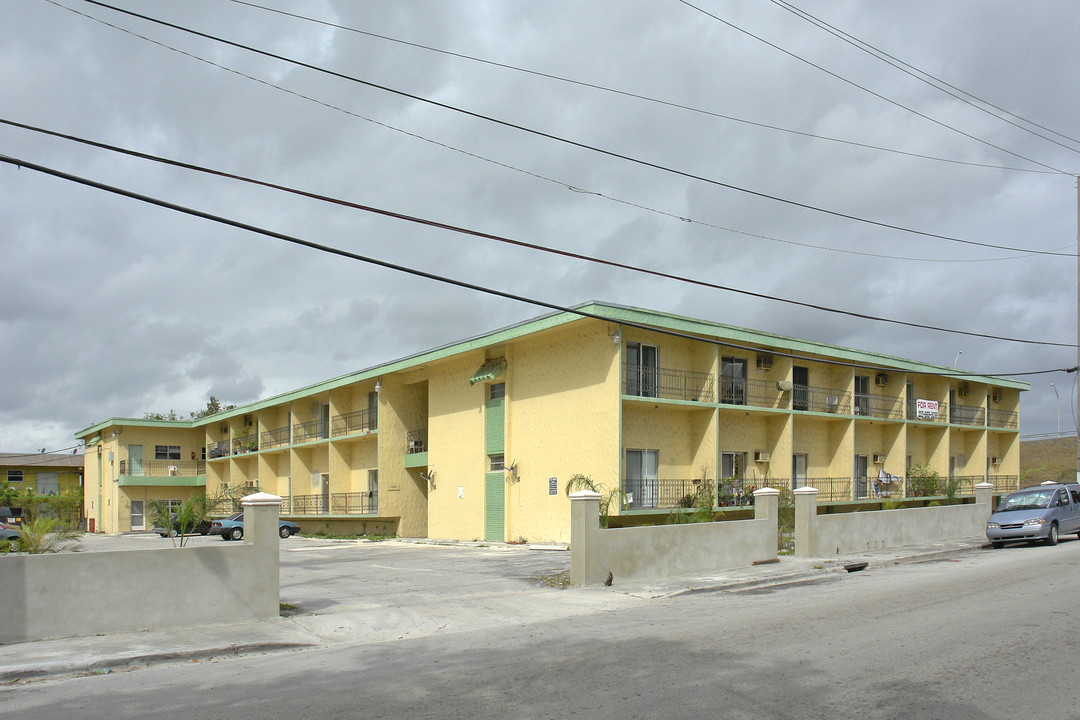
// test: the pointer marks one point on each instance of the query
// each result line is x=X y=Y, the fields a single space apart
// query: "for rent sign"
x=926 y=409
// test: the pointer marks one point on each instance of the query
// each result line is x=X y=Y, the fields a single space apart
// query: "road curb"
x=122 y=662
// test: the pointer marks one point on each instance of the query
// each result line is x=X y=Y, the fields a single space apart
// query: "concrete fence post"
x=984 y=495
x=805 y=521
x=584 y=536
x=261 y=530
x=767 y=507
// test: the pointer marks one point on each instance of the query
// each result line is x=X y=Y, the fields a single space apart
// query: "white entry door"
x=138 y=515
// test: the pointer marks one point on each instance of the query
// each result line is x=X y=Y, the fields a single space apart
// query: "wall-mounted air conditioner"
x=247 y=421
x=761 y=456
x=764 y=362
x=995 y=461
x=996 y=395
x=963 y=390
x=879 y=459
x=881 y=379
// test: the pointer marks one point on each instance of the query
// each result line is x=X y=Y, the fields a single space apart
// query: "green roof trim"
x=708 y=331
x=490 y=370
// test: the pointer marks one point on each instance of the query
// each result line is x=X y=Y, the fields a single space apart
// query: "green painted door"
x=495 y=506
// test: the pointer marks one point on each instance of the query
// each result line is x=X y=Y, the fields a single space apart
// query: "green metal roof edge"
x=742 y=335
x=608 y=311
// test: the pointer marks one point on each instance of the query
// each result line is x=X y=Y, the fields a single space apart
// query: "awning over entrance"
x=490 y=370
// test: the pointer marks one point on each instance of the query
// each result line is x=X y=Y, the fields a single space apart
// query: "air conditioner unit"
x=761 y=456
x=996 y=395
x=881 y=379
x=247 y=421
x=764 y=362
x=879 y=459
x=995 y=461
x=223 y=428
x=963 y=390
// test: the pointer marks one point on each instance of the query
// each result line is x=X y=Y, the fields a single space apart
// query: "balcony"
x=310 y=430
x=755 y=393
x=941 y=416
x=217 y=450
x=878 y=406
x=416 y=442
x=667 y=383
x=968 y=415
x=163 y=473
x=355 y=422
x=244 y=444
x=1003 y=419
x=349 y=503
x=822 y=400
x=662 y=493
x=276 y=438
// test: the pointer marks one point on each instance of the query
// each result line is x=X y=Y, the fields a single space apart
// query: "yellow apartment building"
x=476 y=440
x=42 y=473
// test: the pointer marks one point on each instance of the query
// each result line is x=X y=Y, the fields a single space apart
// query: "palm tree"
x=42 y=535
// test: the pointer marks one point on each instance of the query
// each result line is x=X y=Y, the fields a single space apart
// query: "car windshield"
x=1035 y=500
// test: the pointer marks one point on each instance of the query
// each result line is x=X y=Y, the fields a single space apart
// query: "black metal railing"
x=755 y=393
x=967 y=415
x=1003 y=419
x=217 y=450
x=878 y=406
x=347 y=503
x=163 y=468
x=244 y=444
x=660 y=493
x=818 y=399
x=366 y=420
x=941 y=416
x=416 y=442
x=1004 y=483
x=667 y=383
x=275 y=438
x=310 y=430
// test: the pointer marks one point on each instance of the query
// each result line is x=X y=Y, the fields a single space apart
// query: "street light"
x=958 y=354
x=1058 y=408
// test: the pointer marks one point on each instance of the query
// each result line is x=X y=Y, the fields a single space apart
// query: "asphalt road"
x=983 y=635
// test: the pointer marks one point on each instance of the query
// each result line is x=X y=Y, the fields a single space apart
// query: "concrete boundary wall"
x=666 y=550
x=842 y=533
x=44 y=596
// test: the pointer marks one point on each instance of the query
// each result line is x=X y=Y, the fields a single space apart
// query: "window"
x=800 y=395
x=496 y=463
x=14 y=475
x=498 y=390
x=642 y=486
x=166 y=452
x=862 y=395
x=733 y=380
x=641 y=369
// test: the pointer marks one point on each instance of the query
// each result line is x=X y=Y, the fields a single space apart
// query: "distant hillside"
x=1050 y=459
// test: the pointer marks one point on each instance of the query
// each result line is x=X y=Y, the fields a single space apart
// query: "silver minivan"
x=1042 y=512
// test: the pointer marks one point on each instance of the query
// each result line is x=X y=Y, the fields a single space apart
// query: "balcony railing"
x=416 y=442
x=217 y=450
x=348 y=503
x=310 y=430
x=1003 y=419
x=276 y=438
x=878 y=406
x=941 y=417
x=755 y=393
x=359 y=421
x=818 y=399
x=660 y=493
x=667 y=383
x=1004 y=483
x=244 y=444
x=967 y=415
x=163 y=468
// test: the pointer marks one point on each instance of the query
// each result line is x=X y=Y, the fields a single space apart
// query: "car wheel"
x=998 y=545
x=1052 y=536
x=284 y=532
x=236 y=533
x=225 y=536
x=204 y=531
x=164 y=534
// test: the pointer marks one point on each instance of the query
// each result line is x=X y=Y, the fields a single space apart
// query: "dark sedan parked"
x=9 y=534
x=193 y=528
x=232 y=528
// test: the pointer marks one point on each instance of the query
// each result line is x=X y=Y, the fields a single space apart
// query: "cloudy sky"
x=111 y=307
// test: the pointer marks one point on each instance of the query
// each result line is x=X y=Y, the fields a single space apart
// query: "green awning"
x=490 y=370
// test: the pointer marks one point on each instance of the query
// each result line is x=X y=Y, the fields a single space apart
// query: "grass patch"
x=336 y=536
x=559 y=581
x=286 y=608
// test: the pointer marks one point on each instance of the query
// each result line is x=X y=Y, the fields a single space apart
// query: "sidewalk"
x=124 y=651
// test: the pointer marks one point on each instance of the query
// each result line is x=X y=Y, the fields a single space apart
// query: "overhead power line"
x=865 y=89
x=556 y=138
x=634 y=95
x=538 y=176
x=452 y=228
x=984 y=106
